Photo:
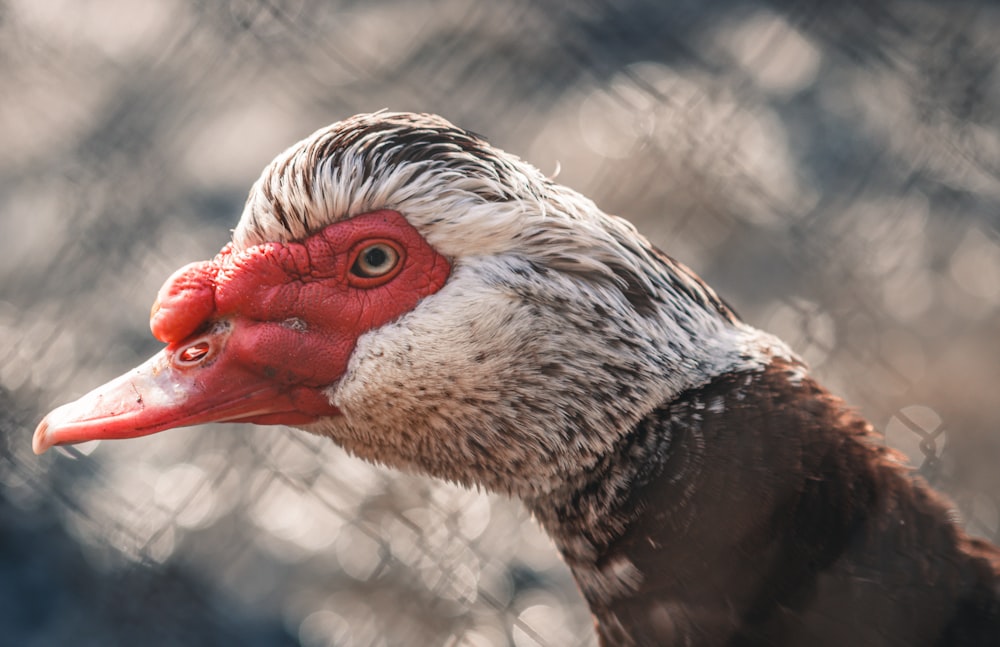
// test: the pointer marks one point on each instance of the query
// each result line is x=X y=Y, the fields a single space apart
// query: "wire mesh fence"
x=830 y=168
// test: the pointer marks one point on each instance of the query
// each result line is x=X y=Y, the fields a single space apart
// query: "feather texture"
x=702 y=488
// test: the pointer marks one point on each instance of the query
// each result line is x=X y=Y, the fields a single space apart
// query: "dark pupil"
x=375 y=257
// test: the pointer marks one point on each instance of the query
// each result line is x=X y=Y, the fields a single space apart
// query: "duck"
x=432 y=303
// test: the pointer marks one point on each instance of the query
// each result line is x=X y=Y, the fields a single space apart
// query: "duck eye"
x=375 y=260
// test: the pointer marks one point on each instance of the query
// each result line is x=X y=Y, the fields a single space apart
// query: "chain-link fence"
x=831 y=168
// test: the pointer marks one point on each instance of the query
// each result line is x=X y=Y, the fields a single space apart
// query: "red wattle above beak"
x=159 y=395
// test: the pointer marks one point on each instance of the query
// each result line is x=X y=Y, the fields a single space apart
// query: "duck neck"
x=589 y=514
x=693 y=491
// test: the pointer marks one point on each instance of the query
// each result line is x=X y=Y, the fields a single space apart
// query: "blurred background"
x=831 y=168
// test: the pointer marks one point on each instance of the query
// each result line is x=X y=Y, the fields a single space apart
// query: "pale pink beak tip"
x=40 y=441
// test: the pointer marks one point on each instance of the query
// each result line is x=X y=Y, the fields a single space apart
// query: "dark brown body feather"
x=767 y=513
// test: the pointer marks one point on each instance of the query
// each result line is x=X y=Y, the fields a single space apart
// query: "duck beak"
x=159 y=395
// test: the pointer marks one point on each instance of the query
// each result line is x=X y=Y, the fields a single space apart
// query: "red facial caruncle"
x=260 y=335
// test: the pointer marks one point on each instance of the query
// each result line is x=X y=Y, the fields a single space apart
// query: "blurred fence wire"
x=831 y=168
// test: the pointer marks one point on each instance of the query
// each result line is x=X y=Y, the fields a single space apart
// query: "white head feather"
x=558 y=329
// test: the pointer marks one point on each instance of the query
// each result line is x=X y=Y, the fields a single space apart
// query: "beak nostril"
x=194 y=353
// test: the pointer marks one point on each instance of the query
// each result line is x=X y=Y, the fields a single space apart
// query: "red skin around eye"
x=311 y=281
x=273 y=326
